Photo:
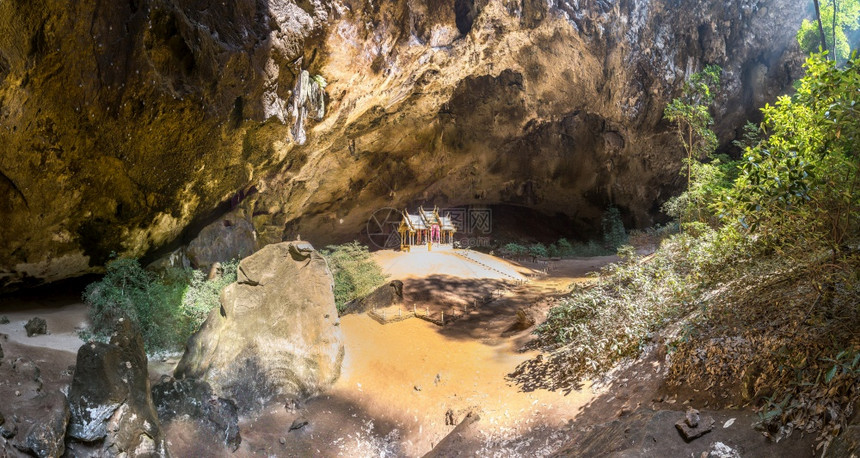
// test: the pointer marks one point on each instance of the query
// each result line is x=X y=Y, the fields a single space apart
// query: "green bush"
x=203 y=295
x=613 y=229
x=149 y=301
x=565 y=249
x=355 y=273
x=514 y=250
x=167 y=308
x=553 y=251
x=798 y=186
x=537 y=250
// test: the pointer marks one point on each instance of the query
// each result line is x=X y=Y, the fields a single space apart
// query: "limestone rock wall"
x=276 y=334
x=124 y=126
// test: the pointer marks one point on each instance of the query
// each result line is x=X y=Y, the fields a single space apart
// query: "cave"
x=464 y=13
x=423 y=228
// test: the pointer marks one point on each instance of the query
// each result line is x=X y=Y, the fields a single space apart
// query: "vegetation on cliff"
x=764 y=277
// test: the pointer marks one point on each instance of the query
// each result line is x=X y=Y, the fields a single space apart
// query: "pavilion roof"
x=429 y=217
x=446 y=223
x=414 y=222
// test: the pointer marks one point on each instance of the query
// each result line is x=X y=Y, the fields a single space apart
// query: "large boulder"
x=230 y=237
x=34 y=417
x=110 y=402
x=276 y=333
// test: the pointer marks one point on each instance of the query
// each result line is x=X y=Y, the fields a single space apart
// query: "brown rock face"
x=122 y=124
x=276 y=334
x=112 y=413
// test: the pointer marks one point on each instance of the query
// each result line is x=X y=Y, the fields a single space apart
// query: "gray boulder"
x=46 y=437
x=36 y=326
x=231 y=237
x=110 y=402
x=276 y=334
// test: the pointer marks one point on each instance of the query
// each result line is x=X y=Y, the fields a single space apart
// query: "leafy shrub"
x=537 y=250
x=167 y=308
x=149 y=301
x=564 y=247
x=613 y=229
x=589 y=249
x=552 y=250
x=203 y=295
x=514 y=250
x=599 y=324
x=798 y=186
x=355 y=273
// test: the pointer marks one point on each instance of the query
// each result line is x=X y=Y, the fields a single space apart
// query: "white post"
x=443 y=318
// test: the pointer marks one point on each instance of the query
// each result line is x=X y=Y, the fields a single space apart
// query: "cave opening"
x=464 y=15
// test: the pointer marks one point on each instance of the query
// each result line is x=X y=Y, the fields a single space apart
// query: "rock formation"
x=36 y=326
x=110 y=401
x=387 y=295
x=276 y=333
x=34 y=420
x=191 y=398
x=125 y=126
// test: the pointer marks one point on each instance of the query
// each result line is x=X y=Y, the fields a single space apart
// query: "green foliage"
x=614 y=234
x=320 y=80
x=128 y=291
x=564 y=247
x=693 y=121
x=710 y=182
x=691 y=114
x=552 y=251
x=599 y=324
x=167 y=308
x=203 y=295
x=355 y=273
x=514 y=250
x=847 y=21
x=799 y=185
x=538 y=250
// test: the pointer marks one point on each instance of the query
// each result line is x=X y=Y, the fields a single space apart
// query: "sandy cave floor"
x=399 y=380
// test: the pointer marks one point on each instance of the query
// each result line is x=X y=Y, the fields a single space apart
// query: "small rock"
x=449 y=418
x=692 y=417
x=36 y=326
x=4 y=319
x=703 y=425
x=417 y=387
x=437 y=379
x=1 y=352
x=282 y=440
x=8 y=431
x=298 y=423
x=292 y=405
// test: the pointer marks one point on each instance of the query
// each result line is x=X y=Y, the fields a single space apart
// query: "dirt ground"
x=406 y=385
x=399 y=380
